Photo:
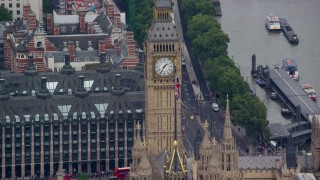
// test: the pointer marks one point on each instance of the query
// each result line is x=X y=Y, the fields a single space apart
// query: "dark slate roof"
x=258 y=162
x=22 y=85
x=22 y=47
x=104 y=22
x=100 y=101
x=58 y=41
x=87 y=55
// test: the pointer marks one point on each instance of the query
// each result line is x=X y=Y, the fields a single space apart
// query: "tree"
x=251 y=113
x=201 y=23
x=144 y=16
x=191 y=8
x=208 y=40
x=5 y=14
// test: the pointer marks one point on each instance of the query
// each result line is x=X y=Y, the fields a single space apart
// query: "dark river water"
x=243 y=21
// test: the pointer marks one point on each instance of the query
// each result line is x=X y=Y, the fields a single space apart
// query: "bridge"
x=294 y=97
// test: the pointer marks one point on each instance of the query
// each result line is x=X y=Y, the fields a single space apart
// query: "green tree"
x=144 y=16
x=208 y=40
x=215 y=68
x=231 y=83
x=191 y=7
x=5 y=14
x=201 y=23
x=251 y=113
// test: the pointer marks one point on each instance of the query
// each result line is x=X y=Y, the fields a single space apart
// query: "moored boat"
x=272 y=22
x=310 y=91
x=288 y=31
x=291 y=68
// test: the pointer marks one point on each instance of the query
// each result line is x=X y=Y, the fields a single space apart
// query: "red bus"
x=121 y=172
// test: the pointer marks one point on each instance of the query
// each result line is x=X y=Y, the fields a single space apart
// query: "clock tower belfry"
x=162 y=70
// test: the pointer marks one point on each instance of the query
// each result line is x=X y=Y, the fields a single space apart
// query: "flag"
x=177 y=88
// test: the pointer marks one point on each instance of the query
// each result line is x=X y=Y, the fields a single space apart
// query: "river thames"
x=243 y=21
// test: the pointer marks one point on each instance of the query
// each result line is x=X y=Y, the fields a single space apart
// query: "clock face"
x=164 y=67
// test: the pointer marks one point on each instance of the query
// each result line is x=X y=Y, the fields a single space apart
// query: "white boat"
x=291 y=68
x=310 y=91
x=272 y=22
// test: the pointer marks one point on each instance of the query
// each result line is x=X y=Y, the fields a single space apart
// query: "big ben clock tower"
x=162 y=69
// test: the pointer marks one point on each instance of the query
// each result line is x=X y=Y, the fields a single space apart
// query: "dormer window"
x=63 y=29
x=39 y=45
x=73 y=29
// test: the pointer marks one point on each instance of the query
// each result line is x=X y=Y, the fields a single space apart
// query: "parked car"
x=215 y=107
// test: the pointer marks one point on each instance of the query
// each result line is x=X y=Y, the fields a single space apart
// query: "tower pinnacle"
x=227 y=133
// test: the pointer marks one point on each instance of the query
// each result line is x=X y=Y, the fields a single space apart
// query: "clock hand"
x=163 y=68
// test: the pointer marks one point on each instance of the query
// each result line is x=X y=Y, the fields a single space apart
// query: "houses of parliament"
x=105 y=118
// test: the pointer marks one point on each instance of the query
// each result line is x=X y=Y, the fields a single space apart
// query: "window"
x=10 y=5
x=63 y=29
x=18 y=12
x=18 y=5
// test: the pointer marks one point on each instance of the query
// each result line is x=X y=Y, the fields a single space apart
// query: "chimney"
x=56 y=30
x=81 y=90
x=26 y=12
x=117 y=20
x=82 y=20
x=118 y=90
x=110 y=10
x=43 y=92
x=71 y=50
x=108 y=44
x=81 y=84
x=67 y=68
x=101 y=46
x=117 y=47
x=31 y=70
x=131 y=49
x=32 y=22
x=131 y=44
x=129 y=36
x=66 y=60
x=50 y=23
x=44 y=83
x=90 y=29
x=102 y=57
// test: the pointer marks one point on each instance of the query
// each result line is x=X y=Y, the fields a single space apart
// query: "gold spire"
x=206 y=124
x=138 y=126
x=144 y=143
x=214 y=141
